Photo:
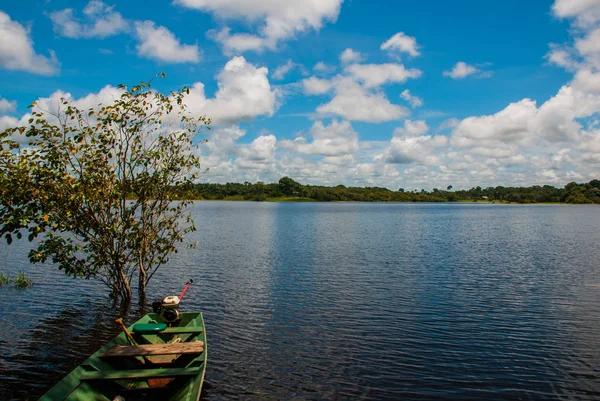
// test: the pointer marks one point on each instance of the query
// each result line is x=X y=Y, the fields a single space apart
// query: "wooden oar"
x=119 y=321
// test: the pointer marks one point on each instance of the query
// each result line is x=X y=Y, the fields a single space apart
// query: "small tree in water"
x=99 y=186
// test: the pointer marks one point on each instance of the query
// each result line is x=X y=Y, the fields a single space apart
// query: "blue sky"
x=389 y=93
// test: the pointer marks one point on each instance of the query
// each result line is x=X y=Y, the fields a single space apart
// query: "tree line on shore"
x=289 y=189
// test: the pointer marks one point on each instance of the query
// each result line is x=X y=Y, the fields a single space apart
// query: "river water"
x=349 y=301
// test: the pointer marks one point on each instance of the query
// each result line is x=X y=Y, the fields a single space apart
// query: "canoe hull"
x=170 y=377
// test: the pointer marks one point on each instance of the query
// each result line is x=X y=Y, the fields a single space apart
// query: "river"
x=361 y=301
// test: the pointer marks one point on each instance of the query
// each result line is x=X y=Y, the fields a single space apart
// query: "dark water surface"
x=349 y=301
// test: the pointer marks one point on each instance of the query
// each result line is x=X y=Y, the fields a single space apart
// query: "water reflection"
x=350 y=301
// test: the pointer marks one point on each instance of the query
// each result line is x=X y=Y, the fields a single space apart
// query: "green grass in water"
x=23 y=280
x=4 y=279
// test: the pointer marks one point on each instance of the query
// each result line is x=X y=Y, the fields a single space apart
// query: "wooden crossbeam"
x=139 y=373
x=196 y=347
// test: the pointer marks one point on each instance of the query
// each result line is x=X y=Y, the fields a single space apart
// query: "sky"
x=389 y=93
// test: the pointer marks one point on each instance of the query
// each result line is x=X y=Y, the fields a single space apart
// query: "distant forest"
x=289 y=190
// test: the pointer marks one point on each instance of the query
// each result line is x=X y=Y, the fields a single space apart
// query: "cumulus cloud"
x=221 y=141
x=412 y=128
x=410 y=145
x=403 y=43
x=8 y=122
x=7 y=106
x=100 y=21
x=316 y=86
x=585 y=12
x=276 y=20
x=281 y=71
x=356 y=95
x=244 y=93
x=158 y=43
x=587 y=81
x=354 y=102
x=262 y=149
x=337 y=139
x=349 y=56
x=511 y=125
x=374 y=75
x=52 y=106
x=17 y=53
x=322 y=67
x=414 y=101
x=584 y=53
x=524 y=124
x=461 y=70
x=562 y=57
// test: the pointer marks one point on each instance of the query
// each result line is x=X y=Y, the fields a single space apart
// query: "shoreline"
x=466 y=201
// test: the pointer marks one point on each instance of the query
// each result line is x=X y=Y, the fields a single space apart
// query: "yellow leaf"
x=46 y=218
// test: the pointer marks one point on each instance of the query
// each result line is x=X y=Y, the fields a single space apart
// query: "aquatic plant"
x=22 y=280
x=4 y=279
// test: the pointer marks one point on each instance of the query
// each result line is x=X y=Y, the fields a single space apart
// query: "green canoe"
x=166 y=364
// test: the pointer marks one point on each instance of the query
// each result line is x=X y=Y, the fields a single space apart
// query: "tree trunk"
x=125 y=289
x=142 y=283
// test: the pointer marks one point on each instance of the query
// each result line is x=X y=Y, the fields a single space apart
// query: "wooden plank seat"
x=139 y=373
x=196 y=347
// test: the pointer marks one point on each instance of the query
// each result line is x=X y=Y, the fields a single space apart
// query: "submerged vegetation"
x=289 y=190
x=22 y=280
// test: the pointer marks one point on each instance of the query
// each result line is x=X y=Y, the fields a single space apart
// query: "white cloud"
x=587 y=81
x=276 y=20
x=412 y=128
x=7 y=106
x=561 y=57
x=222 y=140
x=374 y=75
x=461 y=70
x=101 y=21
x=316 y=86
x=355 y=103
x=337 y=139
x=52 y=105
x=322 y=67
x=511 y=125
x=590 y=44
x=410 y=145
x=414 y=101
x=261 y=149
x=281 y=71
x=402 y=43
x=524 y=124
x=158 y=43
x=585 y=51
x=8 y=122
x=585 y=12
x=349 y=56
x=241 y=42
x=17 y=53
x=244 y=93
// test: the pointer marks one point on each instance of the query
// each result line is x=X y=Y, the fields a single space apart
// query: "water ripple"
x=350 y=301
